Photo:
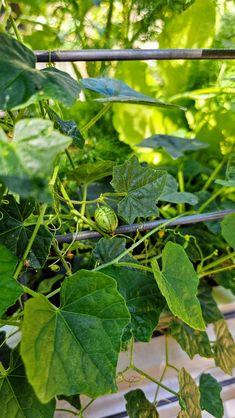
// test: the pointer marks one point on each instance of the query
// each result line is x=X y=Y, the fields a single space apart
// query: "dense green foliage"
x=89 y=146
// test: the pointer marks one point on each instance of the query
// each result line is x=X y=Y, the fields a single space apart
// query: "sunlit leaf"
x=67 y=349
x=224 y=347
x=190 y=394
x=178 y=283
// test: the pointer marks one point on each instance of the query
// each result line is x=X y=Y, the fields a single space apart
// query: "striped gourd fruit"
x=106 y=218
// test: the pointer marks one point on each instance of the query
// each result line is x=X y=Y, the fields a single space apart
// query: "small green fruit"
x=106 y=218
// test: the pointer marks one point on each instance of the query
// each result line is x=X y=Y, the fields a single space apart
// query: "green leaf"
x=116 y=91
x=22 y=82
x=210 y=395
x=91 y=172
x=210 y=310
x=226 y=279
x=66 y=127
x=224 y=347
x=17 y=398
x=190 y=394
x=26 y=163
x=67 y=349
x=174 y=145
x=73 y=400
x=10 y=289
x=192 y=341
x=143 y=299
x=15 y=233
x=178 y=283
x=228 y=229
x=170 y=193
x=142 y=187
x=107 y=249
x=138 y=406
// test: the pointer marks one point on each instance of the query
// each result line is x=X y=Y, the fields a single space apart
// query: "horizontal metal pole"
x=135 y=54
x=123 y=229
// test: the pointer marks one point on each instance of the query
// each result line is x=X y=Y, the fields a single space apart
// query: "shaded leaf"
x=210 y=310
x=66 y=127
x=67 y=349
x=15 y=233
x=73 y=400
x=210 y=395
x=117 y=91
x=170 y=193
x=27 y=162
x=10 y=289
x=228 y=229
x=91 y=172
x=141 y=186
x=174 y=145
x=138 y=406
x=192 y=341
x=107 y=249
x=21 y=81
x=143 y=299
x=224 y=347
x=226 y=279
x=17 y=398
x=190 y=394
x=178 y=283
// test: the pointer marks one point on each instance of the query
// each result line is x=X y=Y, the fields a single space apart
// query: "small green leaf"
x=178 y=283
x=10 y=289
x=228 y=229
x=142 y=187
x=26 y=163
x=107 y=249
x=116 y=91
x=174 y=145
x=67 y=349
x=143 y=299
x=170 y=193
x=138 y=406
x=66 y=127
x=189 y=392
x=91 y=172
x=210 y=310
x=224 y=347
x=15 y=233
x=192 y=341
x=210 y=395
x=17 y=398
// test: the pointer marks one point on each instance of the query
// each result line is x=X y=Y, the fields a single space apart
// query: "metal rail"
x=134 y=55
x=123 y=229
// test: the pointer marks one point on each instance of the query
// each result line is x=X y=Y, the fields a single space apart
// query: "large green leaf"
x=17 y=398
x=116 y=91
x=27 y=162
x=178 y=283
x=190 y=394
x=20 y=81
x=228 y=229
x=192 y=341
x=107 y=249
x=174 y=145
x=15 y=231
x=141 y=186
x=138 y=406
x=210 y=310
x=210 y=395
x=224 y=347
x=74 y=349
x=143 y=299
x=10 y=289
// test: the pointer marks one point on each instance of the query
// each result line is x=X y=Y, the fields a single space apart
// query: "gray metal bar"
x=135 y=54
x=123 y=229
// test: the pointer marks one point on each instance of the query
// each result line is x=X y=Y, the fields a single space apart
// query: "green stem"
x=96 y=118
x=70 y=158
x=134 y=265
x=31 y=241
x=219 y=261
x=157 y=382
x=211 y=198
x=9 y=322
x=67 y=410
x=213 y=174
x=30 y=291
x=136 y=244
x=85 y=407
x=212 y=272
x=58 y=253
x=17 y=34
x=83 y=207
x=164 y=370
x=181 y=206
